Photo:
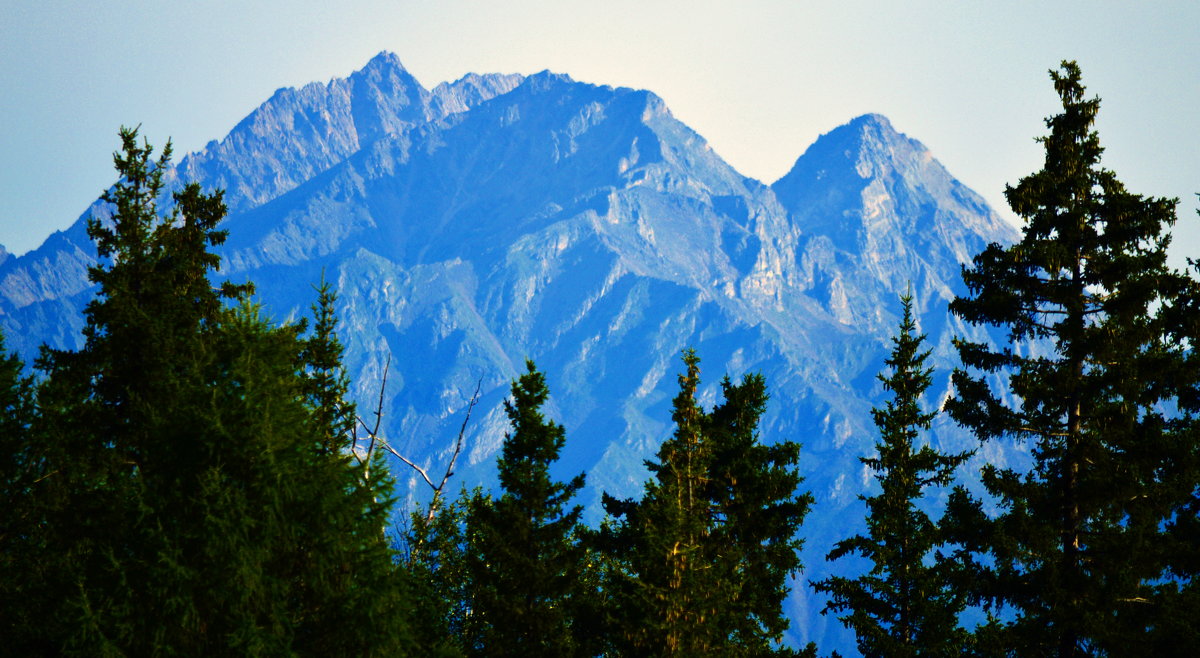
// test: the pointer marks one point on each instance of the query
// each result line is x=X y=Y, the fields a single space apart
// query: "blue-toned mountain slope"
x=502 y=217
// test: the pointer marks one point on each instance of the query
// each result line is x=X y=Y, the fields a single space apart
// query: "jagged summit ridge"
x=471 y=90
x=299 y=133
x=588 y=147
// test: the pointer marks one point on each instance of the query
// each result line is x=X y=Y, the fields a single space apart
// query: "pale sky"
x=760 y=79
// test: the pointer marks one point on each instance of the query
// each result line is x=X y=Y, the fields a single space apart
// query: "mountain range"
x=503 y=217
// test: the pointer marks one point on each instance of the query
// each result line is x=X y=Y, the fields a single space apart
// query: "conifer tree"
x=704 y=556
x=759 y=512
x=669 y=604
x=104 y=406
x=268 y=546
x=525 y=562
x=20 y=559
x=1103 y=386
x=905 y=605
x=438 y=545
x=327 y=383
x=183 y=502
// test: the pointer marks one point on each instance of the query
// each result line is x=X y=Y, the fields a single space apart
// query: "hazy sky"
x=760 y=79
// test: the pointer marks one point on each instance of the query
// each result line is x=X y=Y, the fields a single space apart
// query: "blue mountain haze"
x=500 y=217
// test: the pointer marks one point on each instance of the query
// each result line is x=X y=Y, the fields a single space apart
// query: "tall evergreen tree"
x=666 y=592
x=327 y=383
x=704 y=556
x=20 y=559
x=183 y=502
x=1103 y=385
x=103 y=406
x=906 y=604
x=759 y=514
x=525 y=564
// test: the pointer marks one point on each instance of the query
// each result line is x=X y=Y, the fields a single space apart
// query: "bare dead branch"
x=376 y=441
x=387 y=364
x=354 y=445
x=372 y=432
x=387 y=446
x=458 y=445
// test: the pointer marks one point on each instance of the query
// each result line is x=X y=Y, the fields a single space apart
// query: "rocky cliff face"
x=881 y=213
x=300 y=133
x=499 y=217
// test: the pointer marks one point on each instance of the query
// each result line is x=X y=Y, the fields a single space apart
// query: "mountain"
x=295 y=135
x=878 y=208
x=501 y=217
x=299 y=133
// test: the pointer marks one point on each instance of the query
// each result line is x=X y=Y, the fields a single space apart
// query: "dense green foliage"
x=438 y=544
x=524 y=565
x=173 y=482
x=20 y=561
x=326 y=381
x=1086 y=552
x=906 y=605
x=705 y=554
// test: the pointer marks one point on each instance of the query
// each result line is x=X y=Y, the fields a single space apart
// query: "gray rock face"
x=299 y=133
x=881 y=212
x=498 y=217
x=472 y=89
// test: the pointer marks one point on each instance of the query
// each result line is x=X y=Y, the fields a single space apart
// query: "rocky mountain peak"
x=858 y=177
x=383 y=62
x=863 y=149
x=546 y=80
x=877 y=211
x=499 y=217
x=299 y=133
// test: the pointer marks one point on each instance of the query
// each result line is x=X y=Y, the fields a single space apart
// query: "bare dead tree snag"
x=372 y=432
x=375 y=440
x=458 y=446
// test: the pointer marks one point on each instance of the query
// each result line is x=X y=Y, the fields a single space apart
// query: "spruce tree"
x=668 y=596
x=327 y=383
x=1100 y=380
x=760 y=512
x=184 y=503
x=20 y=559
x=906 y=604
x=293 y=535
x=104 y=406
x=702 y=560
x=525 y=563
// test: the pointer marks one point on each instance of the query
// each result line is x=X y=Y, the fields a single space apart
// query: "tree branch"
x=458 y=444
x=378 y=441
x=387 y=446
